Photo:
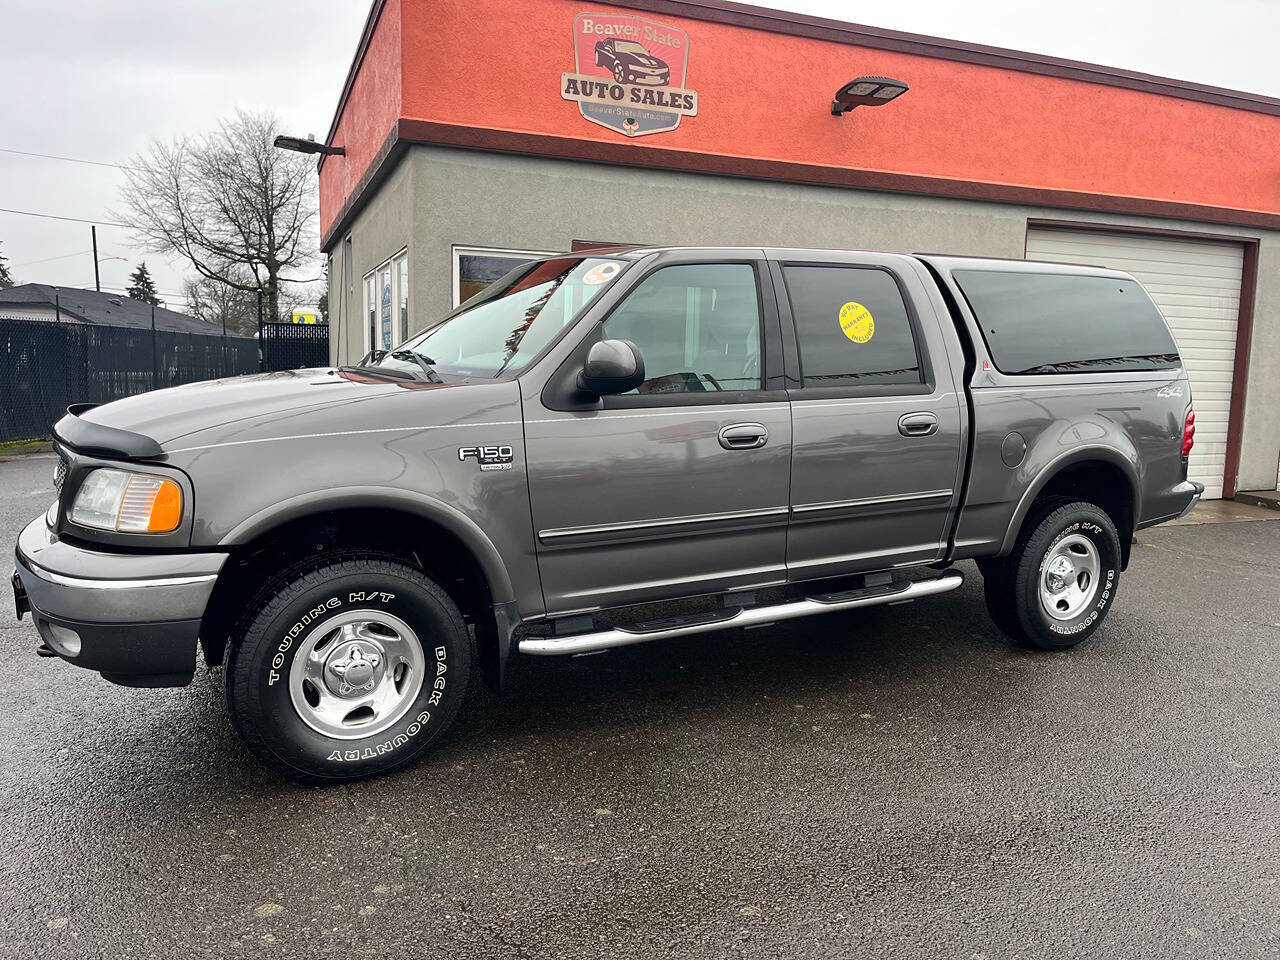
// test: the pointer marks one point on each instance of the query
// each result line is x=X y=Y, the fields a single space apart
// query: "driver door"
x=679 y=487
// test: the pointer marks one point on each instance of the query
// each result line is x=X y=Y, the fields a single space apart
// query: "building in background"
x=40 y=301
x=480 y=134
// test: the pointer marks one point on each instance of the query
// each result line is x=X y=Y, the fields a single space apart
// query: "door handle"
x=918 y=425
x=743 y=436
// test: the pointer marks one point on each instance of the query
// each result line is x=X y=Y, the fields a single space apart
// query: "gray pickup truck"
x=758 y=434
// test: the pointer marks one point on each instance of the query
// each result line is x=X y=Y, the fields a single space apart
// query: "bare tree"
x=217 y=303
x=242 y=212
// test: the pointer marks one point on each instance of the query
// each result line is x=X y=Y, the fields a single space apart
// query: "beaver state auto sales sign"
x=629 y=73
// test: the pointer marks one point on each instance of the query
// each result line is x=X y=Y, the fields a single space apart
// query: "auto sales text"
x=588 y=89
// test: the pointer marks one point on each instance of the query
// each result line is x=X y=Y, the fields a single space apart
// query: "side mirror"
x=613 y=366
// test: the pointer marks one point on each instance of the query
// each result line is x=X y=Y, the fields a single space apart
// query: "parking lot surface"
x=903 y=782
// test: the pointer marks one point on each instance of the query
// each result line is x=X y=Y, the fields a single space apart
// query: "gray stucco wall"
x=385 y=227
x=439 y=197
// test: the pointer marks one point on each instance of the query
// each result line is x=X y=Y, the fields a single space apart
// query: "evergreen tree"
x=141 y=286
x=6 y=278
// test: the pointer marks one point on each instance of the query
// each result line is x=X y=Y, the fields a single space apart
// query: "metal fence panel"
x=45 y=367
x=292 y=346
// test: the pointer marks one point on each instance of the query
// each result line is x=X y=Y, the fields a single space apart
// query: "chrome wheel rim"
x=1069 y=577
x=356 y=674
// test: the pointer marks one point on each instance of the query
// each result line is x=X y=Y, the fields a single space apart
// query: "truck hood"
x=166 y=415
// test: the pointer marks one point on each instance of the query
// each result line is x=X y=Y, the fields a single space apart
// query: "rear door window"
x=1037 y=323
x=852 y=325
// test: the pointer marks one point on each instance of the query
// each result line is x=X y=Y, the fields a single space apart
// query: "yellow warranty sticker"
x=856 y=322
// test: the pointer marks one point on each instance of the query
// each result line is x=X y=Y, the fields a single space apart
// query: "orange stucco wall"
x=497 y=64
x=372 y=108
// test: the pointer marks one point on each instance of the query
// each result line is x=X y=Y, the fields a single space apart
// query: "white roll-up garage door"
x=1196 y=285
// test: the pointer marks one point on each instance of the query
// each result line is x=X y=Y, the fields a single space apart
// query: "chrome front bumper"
x=133 y=617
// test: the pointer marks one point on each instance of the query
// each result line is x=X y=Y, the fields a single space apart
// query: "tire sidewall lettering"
x=417 y=725
x=1097 y=535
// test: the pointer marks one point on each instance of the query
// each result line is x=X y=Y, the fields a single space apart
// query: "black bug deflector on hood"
x=100 y=440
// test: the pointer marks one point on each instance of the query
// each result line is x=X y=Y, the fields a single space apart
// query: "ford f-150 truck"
x=760 y=434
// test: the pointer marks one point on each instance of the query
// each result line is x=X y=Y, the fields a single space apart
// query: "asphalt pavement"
x=903 y=782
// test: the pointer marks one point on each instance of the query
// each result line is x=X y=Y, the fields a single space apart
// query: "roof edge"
x=771 y=20
x=940 y=48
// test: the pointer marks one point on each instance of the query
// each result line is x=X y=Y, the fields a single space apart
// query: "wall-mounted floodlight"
x=866 y=92
x=309 y=145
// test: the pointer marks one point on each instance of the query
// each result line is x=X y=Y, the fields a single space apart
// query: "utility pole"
x=93 y=231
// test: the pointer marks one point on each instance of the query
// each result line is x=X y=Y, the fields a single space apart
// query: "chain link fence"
x=293 y=346
x=45 y=367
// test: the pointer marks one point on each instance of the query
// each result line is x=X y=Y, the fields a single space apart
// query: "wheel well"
x=412 y=538
x=1101 y=483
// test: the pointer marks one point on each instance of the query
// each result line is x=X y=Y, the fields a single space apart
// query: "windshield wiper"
x=387 y=372
x=426 y=363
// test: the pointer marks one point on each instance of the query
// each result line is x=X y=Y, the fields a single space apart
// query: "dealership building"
x=475 y=135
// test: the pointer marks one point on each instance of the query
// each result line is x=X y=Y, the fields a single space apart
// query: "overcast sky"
x=85 y=81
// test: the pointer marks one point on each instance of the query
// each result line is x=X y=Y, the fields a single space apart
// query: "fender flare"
x=1050 y=470
x=365 y=497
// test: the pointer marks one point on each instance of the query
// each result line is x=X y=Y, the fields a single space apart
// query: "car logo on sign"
x=630 y=73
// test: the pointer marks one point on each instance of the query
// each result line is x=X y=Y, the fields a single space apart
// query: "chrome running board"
x=747 y=617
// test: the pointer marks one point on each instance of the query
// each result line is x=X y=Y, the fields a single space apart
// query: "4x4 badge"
x=489 y=457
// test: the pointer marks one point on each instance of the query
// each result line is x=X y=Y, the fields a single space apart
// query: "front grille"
x=59 y=474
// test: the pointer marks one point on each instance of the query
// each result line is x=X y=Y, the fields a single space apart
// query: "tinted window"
x=852 y=325
x=697 y=327
x=1060 y=323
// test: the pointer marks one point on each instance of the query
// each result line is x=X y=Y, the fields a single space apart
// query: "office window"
x=386 y=304
x=402 y=297
x=370 y=313
x=474 y=268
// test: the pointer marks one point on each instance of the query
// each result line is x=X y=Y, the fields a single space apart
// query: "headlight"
x=112 y=499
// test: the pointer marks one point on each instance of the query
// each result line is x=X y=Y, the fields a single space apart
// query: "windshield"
x=508 y=323
x=630 y=46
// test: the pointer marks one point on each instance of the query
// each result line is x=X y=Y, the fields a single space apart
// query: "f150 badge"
x=489 y=458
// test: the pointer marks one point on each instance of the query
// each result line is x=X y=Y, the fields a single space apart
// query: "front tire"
x=1056 y=587
x=347 y=667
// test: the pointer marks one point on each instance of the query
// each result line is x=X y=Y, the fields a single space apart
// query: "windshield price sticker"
x=601 y=273
x=856 y=322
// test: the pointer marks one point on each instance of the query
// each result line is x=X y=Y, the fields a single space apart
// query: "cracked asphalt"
x=899 y=783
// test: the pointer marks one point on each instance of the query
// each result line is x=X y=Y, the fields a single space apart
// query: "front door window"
x=697 y=327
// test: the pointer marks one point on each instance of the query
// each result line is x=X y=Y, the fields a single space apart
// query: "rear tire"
x=347 y=667
x=1058 y=584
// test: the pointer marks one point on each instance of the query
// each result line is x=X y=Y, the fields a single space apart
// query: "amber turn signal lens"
x=166 y=509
